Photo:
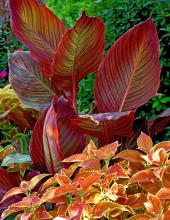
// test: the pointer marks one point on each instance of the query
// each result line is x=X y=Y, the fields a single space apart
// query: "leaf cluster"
x=101 y=184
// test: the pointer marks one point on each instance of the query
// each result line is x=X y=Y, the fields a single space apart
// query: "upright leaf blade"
x=130 y=73
x=36 y=147
x=38 y=28
x=80 y=52
x=60 y=139
x=28 y=81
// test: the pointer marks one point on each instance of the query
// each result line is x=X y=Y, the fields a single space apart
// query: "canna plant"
x=135 y=187
x=46 y=78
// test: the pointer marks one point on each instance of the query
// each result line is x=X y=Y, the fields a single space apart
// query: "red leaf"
x=153 y=204
x=57 y=134
x=80 y=52
x=130 y=74
x=164 y=193
x=144 y=142
x=36 y=144
x=38 y=28
x=105 y=125
x=159 y=123
x=143 y=176
x=38 y=89
x=130 y=155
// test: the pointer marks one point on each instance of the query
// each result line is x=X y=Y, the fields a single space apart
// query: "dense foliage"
x=99 y=186
x=46 y=80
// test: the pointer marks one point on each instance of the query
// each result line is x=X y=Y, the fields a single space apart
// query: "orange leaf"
x=153 y=204
x=89 y=181
x=159 y=156
x=101 y=208
x=62 y=179
x=130 y=155
x=142 y=176
x=117 y=170
x=92 y=163
x=164 y=144
x=35 y=180
x=140 y=217
x=75 y=210
x=166 y=177
x=75 y=158
x=144 y=142
x=164 y=193
x=90 y=148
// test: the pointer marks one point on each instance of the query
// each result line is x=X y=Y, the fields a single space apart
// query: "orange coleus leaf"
x=164 y=144
x=13 y=192
x=35 y=180
x=70 y=170
x=136 y=201
x=62 y=179
x=50 y=182
x=164 y=194
x=130 y=155
x=144 y=142
x=159 y=156
x=92 y=163
x=90 y=148
x=89 y=181
x=142 y=176
x=41 y=213
x=104 y=208
x=31 y=30
x=166 y=177
x=75 y=210
x=153 y=204
x=140 y=217
x=79 y=53
x=167 y=215
x=117 y=170
x=75 y=158
x=63 y=190
x=62 y=210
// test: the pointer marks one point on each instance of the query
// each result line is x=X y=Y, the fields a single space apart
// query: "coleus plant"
x=46 y=78
x=137 y=187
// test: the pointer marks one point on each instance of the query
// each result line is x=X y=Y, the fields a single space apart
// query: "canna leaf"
x=60 y=140
x=159 y=123
x=36 y=147
x=130 y=73
x=105 y=125
x=26 y=75
x=38 y=28
x=80 y=52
